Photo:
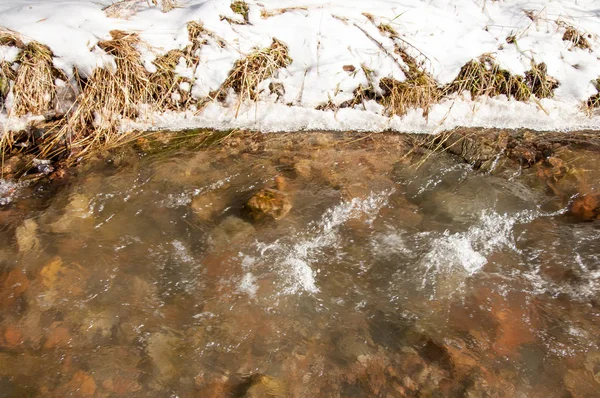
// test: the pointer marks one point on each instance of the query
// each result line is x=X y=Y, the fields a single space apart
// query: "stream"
x=369 y=269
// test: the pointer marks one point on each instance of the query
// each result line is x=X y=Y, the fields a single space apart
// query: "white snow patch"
x=328 y=36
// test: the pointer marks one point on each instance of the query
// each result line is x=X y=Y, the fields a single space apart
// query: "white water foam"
x=294 y=256
x=8 y=191
x=467 y=251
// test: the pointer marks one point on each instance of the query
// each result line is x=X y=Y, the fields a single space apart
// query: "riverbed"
x=370 y=267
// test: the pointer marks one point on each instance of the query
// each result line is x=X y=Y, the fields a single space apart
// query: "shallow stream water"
x=393 y=274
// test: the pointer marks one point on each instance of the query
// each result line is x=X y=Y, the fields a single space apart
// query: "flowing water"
x=145 y=276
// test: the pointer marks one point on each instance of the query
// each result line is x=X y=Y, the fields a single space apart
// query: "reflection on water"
x=146 y=276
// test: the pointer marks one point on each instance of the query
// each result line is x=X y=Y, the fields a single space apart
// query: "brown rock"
x=163 y=350
x=27 y=239
x=349 y=68
x=207 y=206
x=268 y=203
x=586 y=207
x=281 y=183
x=58 y=336
x=303 y=168
x=15 y=284
x=81 y=385
x=13 y=337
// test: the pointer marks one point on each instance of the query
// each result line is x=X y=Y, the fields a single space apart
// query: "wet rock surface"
x=313 y=264
x=268 y=203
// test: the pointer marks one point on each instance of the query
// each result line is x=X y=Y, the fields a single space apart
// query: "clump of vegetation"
x=240 y=7
x=107 y=97
x=165 y=5
x=10 y=38
x=264 y=13
x=537 y=79
x=484 y=77
x=127 y=8
x=575 y=37
x=122 y=9
x=34 y=89
x=7 y=75
x=593 y=102
x=418 y=90
x=166 y=85
x=249 y=71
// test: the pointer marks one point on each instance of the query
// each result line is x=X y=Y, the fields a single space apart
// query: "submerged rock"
x=207 y=206
x=76 y=210
x=232 y=230
x=163 y=350
x=27 y=239
x=586 y=207
x=258 y=386
x=268 y=203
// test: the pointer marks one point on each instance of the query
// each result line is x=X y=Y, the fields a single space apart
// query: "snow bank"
x=324 y=39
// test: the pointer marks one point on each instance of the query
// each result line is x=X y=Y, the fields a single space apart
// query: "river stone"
x=268 y=203
x=232 y=230
x=26 y=234
x=207 y=206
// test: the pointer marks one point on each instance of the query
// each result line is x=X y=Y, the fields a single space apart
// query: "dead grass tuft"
x=10 y=38
x=575 y=37
x=34 y=89
x=387 y=30
x=264 y=13
x=123 y=9
x=240 y=7
x=418 y=90
x=169 y=90
x=537 y=79
x=593 y=103
x=484 y=77
x=7 y=75
x=166 y=5
x=248 y=72
x=107 y=97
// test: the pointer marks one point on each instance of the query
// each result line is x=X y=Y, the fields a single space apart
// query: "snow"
x=323 y=37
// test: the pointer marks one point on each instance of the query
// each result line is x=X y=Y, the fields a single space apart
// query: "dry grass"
x=123 y=9
x=10 y=38
x=418 y=90
x=34 y=89
x=7 y=75
x=575 y=37
x=593 y=103
x=240 y=7
x=264 y=13
x=251 y=70
x=166 y=5
x=537 y=79
x=166 y=86
x=484 y=77
x=107 y=97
